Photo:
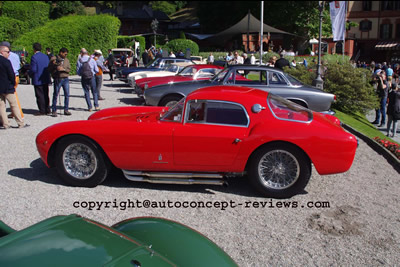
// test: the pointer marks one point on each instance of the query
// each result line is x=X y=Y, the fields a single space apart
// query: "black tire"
x=279 y=170
x=170 y=101
x=80 y=162
x=28 y=79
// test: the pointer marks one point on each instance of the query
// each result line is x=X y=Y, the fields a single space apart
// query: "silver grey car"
x=254 y=76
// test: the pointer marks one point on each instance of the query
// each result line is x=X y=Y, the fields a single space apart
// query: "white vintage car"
x=169 y=70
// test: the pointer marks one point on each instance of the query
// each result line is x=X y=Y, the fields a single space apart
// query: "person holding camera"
x=60 y=68
x=382 y=90
x=393 y=109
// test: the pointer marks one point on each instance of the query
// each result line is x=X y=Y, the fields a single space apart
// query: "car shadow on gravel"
x=38 y=171
x=132 y=101
x=235 y=186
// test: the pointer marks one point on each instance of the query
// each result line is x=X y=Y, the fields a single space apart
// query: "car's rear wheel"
x=80 y=162
x=170 y=101
x=279 y=170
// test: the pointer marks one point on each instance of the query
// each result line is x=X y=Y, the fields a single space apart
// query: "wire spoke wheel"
x=279 y=169
x=79 y=161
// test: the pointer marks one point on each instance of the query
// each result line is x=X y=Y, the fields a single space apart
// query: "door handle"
x=237 y=140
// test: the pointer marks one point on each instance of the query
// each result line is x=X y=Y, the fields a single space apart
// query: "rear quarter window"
x=286 y=110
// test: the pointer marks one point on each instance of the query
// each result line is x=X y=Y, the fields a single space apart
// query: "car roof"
x=206 y=66
x=239 y=94
x=242 y=66
x=122 y=50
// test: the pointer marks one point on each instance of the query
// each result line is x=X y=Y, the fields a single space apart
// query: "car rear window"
x=286 y=110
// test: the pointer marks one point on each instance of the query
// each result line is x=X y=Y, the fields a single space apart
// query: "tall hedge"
x=11 y=29
x=183 y=44
x=142 y=42
x=74 y=32
x=33 y=13
x=127 y=41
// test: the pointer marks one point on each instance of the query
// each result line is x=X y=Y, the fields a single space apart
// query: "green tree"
x=164 y=6
x=63 y=8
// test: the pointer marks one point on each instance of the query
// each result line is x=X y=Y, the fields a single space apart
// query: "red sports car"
x=189 y=73
x=213 y=133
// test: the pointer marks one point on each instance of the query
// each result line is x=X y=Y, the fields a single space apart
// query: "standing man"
x=60 y=68
x=7 y=90
x=16 y=64
x=98 y=57
x=145 y=57
x=86 y=67
x=40 y=79
x=110 y=64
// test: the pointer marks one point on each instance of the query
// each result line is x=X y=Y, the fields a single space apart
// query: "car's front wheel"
x=80 y=162
x=279 y=170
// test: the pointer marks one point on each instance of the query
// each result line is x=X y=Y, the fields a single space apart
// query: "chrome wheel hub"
x=278 y=169
x=79 y=161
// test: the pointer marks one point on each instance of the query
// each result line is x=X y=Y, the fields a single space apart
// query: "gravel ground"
x=356 y=222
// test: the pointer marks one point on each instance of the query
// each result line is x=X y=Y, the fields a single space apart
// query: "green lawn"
x=360 y=123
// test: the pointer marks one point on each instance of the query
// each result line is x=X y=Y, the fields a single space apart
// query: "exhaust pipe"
x=175 y=178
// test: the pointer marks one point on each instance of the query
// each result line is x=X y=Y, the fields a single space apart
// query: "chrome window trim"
x=218 y=124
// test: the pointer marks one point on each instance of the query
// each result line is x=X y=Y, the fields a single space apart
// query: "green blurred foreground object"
x=76 y=241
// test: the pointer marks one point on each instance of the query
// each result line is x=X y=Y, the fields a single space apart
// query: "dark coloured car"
x=260 y=77
x=75 y=241
x=157 y=65
x=23 y=71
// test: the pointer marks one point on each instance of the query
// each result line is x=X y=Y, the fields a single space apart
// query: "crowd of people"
x=386 y=82
x=46 y=69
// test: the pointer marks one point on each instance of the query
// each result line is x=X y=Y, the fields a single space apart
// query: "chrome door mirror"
x=257 y=108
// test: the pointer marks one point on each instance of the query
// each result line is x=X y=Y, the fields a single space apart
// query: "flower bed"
x=392 y=147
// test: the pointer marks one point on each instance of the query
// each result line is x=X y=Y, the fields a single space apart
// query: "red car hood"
x=139 y=114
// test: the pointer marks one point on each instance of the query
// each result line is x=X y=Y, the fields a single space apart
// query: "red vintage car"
x=213 y=133
x=189 y=73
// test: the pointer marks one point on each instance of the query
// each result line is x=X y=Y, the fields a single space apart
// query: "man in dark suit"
x=40 y=79
x=7 y=90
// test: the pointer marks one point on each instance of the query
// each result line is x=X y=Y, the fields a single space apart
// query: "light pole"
x=318 y=82
x=154 y=27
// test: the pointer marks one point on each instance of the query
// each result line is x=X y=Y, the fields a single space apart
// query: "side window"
x=206 y=73
x=196 y=111
x=226 y=113
x=250 y=77
x=276 y=79
x=168 y=62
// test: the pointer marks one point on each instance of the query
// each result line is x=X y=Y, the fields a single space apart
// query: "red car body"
x=190 y=73
x=157 y=140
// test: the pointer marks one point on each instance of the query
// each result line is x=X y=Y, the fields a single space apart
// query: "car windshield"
x=174 y=114
x=187 y=71
x=220 y=76
x=172 y=68
x=293 y=80
x=287 y=110
x=154 y=63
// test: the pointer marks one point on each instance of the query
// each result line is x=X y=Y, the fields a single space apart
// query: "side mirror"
x=257 y=108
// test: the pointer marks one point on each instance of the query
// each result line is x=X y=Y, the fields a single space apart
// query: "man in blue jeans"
x=60 y=68
x=382 y=91
x=86 y=67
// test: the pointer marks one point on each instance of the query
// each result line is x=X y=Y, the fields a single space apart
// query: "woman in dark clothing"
x=393 y=109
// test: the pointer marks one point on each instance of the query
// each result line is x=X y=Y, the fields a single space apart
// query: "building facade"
x=377 y=37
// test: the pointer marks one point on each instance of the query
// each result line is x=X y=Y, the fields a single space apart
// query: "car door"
x=211 y=135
